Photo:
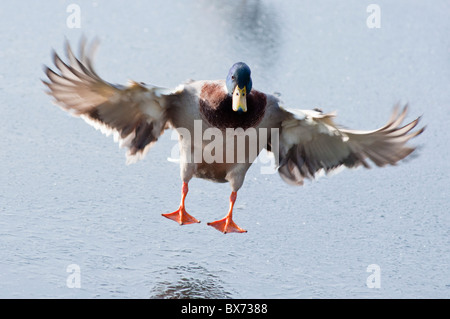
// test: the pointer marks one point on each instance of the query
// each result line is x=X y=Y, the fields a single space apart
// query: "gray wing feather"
x=310 y=143
x=136 y=114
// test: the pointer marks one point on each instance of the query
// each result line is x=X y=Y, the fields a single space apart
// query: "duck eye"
x=233 y=77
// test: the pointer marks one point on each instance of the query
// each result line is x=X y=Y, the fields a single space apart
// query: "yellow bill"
x=239 y=99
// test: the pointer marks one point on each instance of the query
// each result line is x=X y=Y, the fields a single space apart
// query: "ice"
x=67 y=197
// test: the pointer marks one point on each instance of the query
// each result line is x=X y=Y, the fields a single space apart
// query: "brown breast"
x=215 y=107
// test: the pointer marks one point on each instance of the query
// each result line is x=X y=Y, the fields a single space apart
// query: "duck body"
x=214 y=119
x=223 y=125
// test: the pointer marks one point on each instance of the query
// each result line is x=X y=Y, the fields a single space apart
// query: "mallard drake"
x=304 y=142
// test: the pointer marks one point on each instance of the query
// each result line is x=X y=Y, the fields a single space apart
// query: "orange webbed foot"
x=226 y=225
x=181 y=217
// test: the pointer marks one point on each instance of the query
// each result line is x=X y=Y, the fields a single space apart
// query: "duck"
x=211 y=117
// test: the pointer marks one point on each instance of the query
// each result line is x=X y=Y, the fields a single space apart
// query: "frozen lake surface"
x=67 y=197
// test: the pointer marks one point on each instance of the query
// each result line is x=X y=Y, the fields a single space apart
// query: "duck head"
x=239 y=85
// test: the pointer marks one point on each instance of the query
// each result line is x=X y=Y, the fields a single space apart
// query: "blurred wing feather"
x=136 y=114
x=310 y=142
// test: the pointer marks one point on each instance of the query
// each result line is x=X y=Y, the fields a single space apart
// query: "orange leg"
x=180 y=215
x=227 y=225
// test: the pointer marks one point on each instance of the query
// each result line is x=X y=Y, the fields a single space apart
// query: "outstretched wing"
x=310 y=142
x=136 y=114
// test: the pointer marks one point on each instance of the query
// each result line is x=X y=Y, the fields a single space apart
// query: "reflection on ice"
x=188 y=282
x=250 y=29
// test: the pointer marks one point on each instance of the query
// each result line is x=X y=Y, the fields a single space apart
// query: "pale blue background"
x=67 y=197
